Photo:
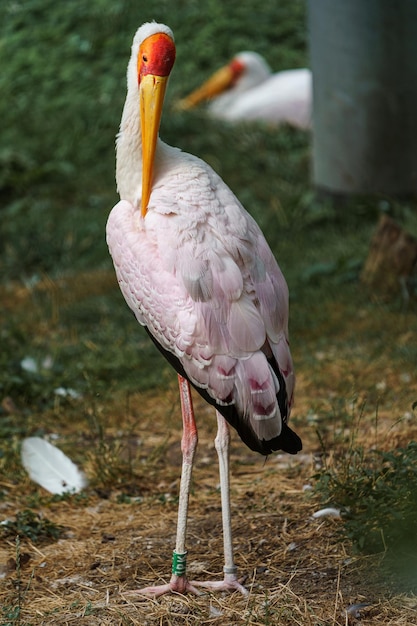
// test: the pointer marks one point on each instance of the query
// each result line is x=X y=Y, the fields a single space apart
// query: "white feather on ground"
x=327 y=512
x=48 y=466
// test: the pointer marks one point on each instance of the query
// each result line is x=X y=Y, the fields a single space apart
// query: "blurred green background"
x=63 y=87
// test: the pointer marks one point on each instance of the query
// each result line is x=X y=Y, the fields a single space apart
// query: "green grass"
x=377 y=494
x=30 y=525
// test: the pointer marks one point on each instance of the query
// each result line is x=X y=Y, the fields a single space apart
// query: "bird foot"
x=180 y=584
x=229 y=583
x=177 y=584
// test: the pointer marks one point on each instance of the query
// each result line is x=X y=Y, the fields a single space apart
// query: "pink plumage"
x=199 y=274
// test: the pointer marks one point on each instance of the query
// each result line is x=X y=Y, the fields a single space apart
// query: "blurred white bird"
x=246 y=89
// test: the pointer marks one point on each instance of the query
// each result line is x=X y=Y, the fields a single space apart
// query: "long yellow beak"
x=218 y=82
x=151 y=93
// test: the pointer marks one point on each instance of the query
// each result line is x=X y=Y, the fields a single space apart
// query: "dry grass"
x=298 y=570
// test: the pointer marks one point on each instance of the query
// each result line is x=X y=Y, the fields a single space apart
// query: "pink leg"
x=179 y=582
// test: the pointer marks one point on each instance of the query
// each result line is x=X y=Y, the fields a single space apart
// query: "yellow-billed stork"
x=246 y=90
x=198 y=274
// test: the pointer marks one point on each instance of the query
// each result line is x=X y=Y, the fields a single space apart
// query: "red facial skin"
x=237 y=68
x=156 y=56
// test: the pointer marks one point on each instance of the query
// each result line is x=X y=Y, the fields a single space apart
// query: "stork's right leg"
x=179 y=582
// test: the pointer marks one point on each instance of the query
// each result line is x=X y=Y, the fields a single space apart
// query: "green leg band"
x=179 y=563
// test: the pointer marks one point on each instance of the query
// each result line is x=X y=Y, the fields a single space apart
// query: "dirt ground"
x=298 y=570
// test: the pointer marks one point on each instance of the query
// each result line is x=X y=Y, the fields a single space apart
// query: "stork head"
x=153 y=56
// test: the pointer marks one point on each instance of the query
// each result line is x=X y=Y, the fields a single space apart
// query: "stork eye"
x=144 y=58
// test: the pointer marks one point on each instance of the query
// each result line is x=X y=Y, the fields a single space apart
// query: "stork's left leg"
x=231 y=581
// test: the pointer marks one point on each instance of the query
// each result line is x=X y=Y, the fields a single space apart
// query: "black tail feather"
x=288 y=440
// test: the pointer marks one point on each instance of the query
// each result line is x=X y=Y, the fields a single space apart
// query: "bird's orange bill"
x=152 y=92
x=216 y=84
